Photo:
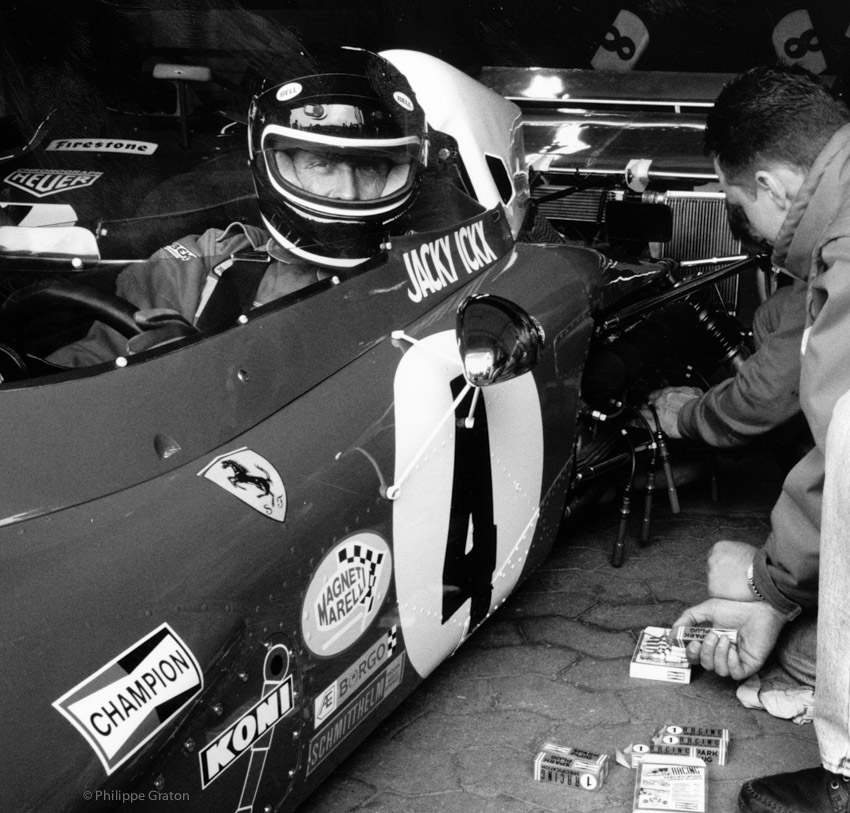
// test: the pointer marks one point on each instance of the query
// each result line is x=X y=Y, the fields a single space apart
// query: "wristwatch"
x=752 y=585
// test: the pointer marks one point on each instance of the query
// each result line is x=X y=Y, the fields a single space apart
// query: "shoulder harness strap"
x=234 y=284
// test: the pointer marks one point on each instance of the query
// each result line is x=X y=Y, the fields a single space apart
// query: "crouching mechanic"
x=335 y=159
x=759 y=403
x=781 y=145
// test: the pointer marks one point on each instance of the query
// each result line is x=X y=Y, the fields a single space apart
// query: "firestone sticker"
x=252 y=479
x=102 y=145
x=346 y=593
x=131 y=699
x=44 y=182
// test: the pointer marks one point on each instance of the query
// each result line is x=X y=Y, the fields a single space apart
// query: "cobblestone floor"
x=553 y=665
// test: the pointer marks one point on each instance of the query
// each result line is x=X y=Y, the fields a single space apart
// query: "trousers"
x=832 y=691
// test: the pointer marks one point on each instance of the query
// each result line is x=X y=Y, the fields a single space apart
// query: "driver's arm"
x=172 y=279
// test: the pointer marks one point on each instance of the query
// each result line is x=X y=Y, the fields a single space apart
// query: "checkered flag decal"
x=370 y=559
x=392 y=640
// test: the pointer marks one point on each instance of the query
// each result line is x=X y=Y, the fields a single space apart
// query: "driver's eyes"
x=375 y=170
x=321 y=165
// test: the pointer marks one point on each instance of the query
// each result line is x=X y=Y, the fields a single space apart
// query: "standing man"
x=781 y=148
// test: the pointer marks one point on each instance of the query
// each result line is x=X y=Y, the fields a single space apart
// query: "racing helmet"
x=335 y=159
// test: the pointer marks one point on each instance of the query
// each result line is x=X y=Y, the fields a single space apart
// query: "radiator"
x=700 y=230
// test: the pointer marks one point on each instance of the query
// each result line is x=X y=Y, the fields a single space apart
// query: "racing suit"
x=814 y=246
x=764 y=392
x=178 y=277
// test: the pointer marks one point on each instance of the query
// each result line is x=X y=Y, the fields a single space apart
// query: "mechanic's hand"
x=667 y=402
x=727 y=570
x=758 y=626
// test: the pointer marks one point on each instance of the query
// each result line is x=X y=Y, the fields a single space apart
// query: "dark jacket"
x=765 y=392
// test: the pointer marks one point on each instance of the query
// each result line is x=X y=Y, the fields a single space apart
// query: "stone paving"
x=553 y=665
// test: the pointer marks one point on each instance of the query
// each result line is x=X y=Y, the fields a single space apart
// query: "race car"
x=227 y=555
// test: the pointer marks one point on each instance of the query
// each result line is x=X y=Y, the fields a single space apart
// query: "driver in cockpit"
x=335 y=159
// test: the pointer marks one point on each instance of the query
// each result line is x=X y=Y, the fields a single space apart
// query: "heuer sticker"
x=354 y=677
x=332 y=735
x=252 y=479
x=44 y=182
x=131 y=699
x=124 y=145
x=346 y=593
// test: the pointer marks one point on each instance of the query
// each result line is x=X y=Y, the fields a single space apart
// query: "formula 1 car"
x=227 y=555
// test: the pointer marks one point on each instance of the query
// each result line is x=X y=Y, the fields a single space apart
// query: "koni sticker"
x=252 y=732
x=131 y=699
x=346 y=593
x=252 y=479
x=44 y=182
x=328 y=739
x=355 y=676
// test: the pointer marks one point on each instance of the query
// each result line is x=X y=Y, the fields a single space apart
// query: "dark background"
x=54 y=37
x=77 y=61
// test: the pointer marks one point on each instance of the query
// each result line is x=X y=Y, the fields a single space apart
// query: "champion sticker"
x=131 y=699
x=403 y=100
x=252 y=479
x=346 y=593
x=289 y=91
x=102 y=145
x=44 y=182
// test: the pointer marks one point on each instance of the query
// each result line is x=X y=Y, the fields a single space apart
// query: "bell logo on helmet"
x=403 y=100
x=289 y=91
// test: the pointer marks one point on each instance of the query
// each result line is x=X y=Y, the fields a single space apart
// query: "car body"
x=225 y=560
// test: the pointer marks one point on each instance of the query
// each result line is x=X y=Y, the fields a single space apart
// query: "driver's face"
x=340 y=178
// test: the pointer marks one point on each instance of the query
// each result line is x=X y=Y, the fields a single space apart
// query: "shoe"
x=814 y=790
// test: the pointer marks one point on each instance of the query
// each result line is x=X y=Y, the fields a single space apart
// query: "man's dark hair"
x=779 y=114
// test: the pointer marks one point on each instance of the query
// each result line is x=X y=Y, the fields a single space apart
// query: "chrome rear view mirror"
x=497 y=339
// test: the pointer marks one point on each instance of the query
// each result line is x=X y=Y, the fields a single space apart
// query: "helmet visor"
x=336 y=176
